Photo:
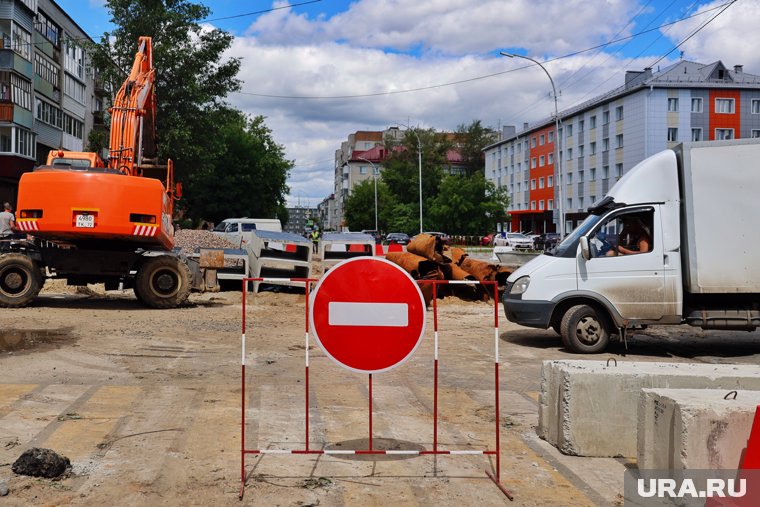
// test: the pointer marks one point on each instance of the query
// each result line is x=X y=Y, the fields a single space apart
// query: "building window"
x=533 y=184
x=619 y=141
x=362 y=169
x=592 y=148
x=551 y=158
x=48 y=113
x=46 y=69
x=569 y=130
x=672 y=134
x=532 y=142
x=533 y=163
x=21 y=90
x=541 y=205
x=755 y=133
x=592 y=174
x=72 y=126
x=569 y=178
x=619 y=113
x=592 y=122
x=605 y=117
x=696 y=105
x=540 y=183
x=541 y=161
x=618 y=170
x=569 y=153
x=47 y=28
x=580 y=151
x=551 y=136
x=755 y=106
x=532 y=204
x=541 y=139
x=581 y=124
x=73 y=88
x=25 y=143
x=606 y=144
x=569 y=203
x=22 y=42
x=696 y=134
x=550 y=181
x=580 y=176
x=724 y=106
x=73 y=60
x=672 y=105
x=723 y=134
x=605 y=172
x=550 y=204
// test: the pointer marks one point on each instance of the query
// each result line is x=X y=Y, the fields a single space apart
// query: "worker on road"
x=315 y=240
x=7 y=221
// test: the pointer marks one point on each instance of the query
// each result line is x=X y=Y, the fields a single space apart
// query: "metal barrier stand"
x=496 y=478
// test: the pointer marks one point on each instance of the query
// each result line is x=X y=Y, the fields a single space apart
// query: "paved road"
x=146 y=404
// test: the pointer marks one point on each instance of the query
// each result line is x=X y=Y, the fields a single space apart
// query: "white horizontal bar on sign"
x=338 y=451
x=465 y=452
x=368 y=314
x=276 y=280
x=402 y=452
x=464 y=282
x=276 y=451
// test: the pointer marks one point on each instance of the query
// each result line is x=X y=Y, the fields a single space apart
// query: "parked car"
x=516 y=240
x=546 y=241
x=399 y=238
x=442 y=235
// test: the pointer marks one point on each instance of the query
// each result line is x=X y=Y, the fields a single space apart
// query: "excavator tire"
x=20 y=280
x=163 y=282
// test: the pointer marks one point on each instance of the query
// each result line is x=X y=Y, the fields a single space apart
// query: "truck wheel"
x=163 y=282
x=20 y=280
x=583 y=331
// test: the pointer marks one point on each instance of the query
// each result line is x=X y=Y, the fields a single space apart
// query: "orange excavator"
x=91 y=221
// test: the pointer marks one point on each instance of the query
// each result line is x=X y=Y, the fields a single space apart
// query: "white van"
x=233 y=229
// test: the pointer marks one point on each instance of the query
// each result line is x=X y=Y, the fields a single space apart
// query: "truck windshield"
x=569 y=245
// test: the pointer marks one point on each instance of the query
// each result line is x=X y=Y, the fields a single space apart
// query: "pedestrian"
x=7 y=221
x=315 y=240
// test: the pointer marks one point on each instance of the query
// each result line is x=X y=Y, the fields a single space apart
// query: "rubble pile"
x=428 y=258
x=190 y=240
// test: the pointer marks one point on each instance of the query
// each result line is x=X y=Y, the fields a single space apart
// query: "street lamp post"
x=419 y=164
x=556 y=143
x=374 y=173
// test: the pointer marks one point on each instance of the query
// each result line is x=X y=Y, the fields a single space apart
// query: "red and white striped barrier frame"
x=496 y=478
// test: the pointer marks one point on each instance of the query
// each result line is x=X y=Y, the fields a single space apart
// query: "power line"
x=260 y=12
x=477 y=78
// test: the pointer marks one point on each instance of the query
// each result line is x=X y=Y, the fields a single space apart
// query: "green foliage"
x=230 y=164
x=466 y=204
x=248 y=175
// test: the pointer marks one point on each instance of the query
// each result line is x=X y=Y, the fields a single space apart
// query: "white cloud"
x=291 y=55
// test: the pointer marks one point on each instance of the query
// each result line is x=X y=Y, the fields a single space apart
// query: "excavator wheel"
x=163 y=282
x=20 y=280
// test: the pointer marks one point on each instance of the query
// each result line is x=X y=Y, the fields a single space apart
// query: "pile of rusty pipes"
x=427 y=258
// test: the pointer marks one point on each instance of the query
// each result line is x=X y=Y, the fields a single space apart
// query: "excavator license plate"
x=85 y=221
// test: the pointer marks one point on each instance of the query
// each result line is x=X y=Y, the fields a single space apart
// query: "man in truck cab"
x=634 y=238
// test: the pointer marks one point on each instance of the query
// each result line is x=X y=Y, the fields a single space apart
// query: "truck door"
x=626 y=265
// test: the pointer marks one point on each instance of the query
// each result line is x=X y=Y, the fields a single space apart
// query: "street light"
x=556 y=144
x=419 y=164
x=374 y=173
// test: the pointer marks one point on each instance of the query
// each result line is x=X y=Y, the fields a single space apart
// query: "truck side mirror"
x=585 y=250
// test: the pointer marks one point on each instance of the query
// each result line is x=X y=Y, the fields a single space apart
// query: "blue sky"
x=371 y=52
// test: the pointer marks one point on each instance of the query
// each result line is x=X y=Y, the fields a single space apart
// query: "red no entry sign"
x=367 y=314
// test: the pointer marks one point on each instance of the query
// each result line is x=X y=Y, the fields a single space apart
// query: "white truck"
x=696 y=205
x=237 y=230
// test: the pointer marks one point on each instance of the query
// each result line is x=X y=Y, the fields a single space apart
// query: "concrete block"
x=587 y=408
x=693 y=429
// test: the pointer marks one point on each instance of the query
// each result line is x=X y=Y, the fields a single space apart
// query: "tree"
x=360 y=206
x=247 y=176
x=472 y=139
x=467 y=205
x=230 y=163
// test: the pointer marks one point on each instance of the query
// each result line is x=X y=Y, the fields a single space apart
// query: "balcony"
x=10 y=60
x=6 y=112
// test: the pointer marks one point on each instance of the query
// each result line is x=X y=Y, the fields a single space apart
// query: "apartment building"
x=600 y=140
x=48 y=97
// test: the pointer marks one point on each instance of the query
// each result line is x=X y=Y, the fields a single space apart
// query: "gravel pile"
x=190 y=240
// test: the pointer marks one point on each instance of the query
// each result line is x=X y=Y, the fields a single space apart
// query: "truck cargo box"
x=721 y=204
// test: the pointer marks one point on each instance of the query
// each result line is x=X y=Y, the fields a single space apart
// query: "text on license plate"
x=87 y=221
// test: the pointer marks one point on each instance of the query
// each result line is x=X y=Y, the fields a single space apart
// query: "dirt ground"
x=147 y=406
